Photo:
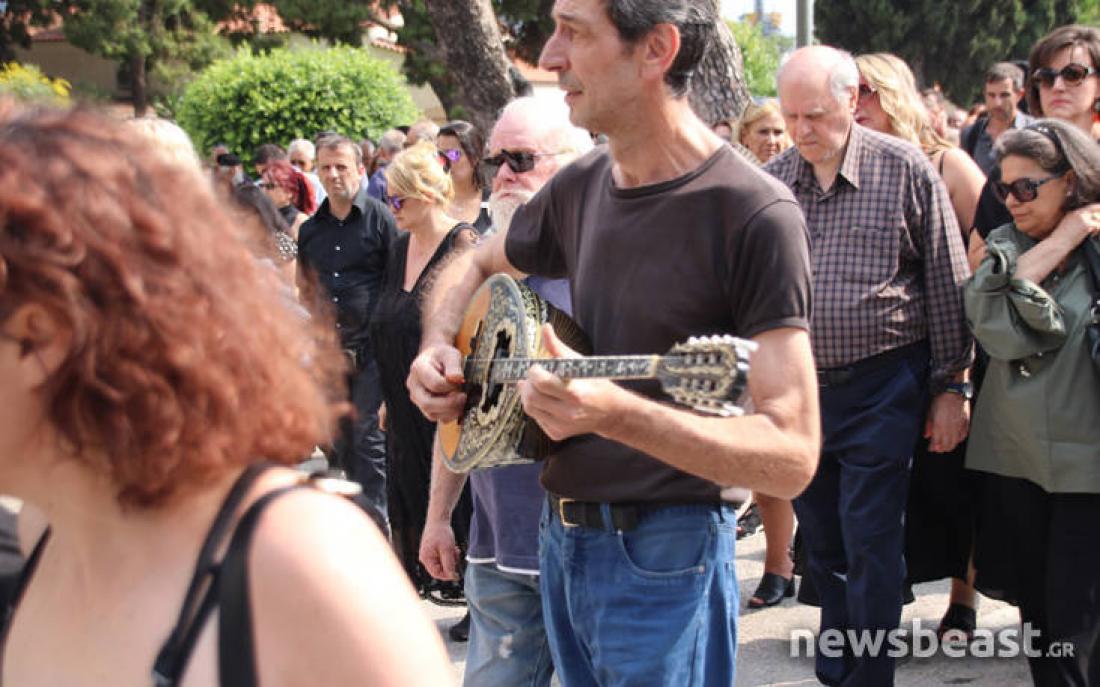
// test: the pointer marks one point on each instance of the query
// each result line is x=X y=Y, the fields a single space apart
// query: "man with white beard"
x=531 y=141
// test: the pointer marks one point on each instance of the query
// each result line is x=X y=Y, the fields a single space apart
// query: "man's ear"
x=853 y=100
x=659 y=50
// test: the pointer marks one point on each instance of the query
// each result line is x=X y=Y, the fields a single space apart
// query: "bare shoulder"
x=957 y=164
x=331 y=605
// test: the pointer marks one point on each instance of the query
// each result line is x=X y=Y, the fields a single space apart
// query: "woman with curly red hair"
x=291 y=192
x=148 y=365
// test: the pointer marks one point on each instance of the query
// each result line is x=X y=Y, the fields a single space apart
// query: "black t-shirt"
x=721 y=250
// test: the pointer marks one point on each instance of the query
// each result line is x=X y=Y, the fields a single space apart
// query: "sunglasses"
x=866 y=91
x=1072 y=74
x=266 y=185
x=395 y=202
x=1023 y=190
x=448 y=158
x=519 y=161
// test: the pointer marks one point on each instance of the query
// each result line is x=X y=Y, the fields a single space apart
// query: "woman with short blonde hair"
x=762 y=130
x=420 y=191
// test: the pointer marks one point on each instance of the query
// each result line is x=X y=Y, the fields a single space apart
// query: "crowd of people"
x=177 y=334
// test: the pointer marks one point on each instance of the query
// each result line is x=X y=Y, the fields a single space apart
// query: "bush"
x=252 y=99
x=760 y=56
x=27 y=82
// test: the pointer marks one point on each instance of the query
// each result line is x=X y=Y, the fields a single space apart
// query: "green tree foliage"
x=950 y=43
x=253 y=99
x=760 y=56
x=165 y=39
x=525 y=26
x=1088 y=12
x=27 y=82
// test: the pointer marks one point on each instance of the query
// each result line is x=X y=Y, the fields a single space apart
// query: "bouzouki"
x=500 y=338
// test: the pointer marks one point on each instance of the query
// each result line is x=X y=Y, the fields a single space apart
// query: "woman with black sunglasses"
x=421 y=192
x=1035 y=436
x=460 y=146
x=1062 y=83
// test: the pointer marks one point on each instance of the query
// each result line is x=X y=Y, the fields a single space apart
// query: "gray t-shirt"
x=721 y=250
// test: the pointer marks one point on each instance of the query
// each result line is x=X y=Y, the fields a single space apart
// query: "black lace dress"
x=395 y=338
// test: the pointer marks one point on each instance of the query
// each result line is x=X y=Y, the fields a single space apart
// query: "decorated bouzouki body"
x=500 y=338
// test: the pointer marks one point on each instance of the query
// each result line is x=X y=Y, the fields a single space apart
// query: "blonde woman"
x=889 y=103
x=420 y=192
x=762 y=130
x=939 y=519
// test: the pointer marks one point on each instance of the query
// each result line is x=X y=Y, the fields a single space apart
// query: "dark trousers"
x=852 y=514
x=360 y=449
x=1045 y=559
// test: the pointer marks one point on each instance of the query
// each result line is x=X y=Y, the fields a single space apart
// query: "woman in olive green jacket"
x=1035 y=436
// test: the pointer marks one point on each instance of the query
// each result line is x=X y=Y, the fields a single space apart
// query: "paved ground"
x=765 y=651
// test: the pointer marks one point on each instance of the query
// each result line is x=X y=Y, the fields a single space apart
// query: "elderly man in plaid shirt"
x=890 y=342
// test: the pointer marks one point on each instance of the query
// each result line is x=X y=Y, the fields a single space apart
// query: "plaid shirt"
x=888 y=259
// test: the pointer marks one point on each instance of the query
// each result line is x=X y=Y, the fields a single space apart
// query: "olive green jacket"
x=1038 y=413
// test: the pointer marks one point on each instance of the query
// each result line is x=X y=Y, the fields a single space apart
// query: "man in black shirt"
x=663 y=234
x=342 y=249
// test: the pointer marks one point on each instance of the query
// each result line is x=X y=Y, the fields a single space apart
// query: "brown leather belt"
x=624 y=516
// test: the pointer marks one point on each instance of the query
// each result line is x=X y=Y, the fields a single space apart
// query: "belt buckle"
x=562 y=501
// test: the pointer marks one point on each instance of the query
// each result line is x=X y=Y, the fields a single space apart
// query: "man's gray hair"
x=303 y=145
x=338 y=141
x=843 y=77
x=550 y=117
x=392 y=142
x=1006 y=71
x=843 y=74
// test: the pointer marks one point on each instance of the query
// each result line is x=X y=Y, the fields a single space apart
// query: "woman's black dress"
x=395 y=337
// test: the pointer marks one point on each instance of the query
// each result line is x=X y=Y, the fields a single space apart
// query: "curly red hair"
x=291 y=180
x=185 y=362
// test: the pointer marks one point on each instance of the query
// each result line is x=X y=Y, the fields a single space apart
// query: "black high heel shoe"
x=771 y=590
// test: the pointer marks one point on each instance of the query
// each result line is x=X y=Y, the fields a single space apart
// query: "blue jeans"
x=508 y=646
x=852 y=514
x=653 y=606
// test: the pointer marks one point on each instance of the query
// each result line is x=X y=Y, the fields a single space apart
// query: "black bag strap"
x=1092 y=266
x=236 y=642
x=25 y=576
x=972 y=135
x=1092 y=262
x=202 y=593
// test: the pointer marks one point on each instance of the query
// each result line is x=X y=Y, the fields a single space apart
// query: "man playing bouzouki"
x=664 y=234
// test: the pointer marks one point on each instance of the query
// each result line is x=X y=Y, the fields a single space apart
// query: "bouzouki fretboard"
x=509 y=370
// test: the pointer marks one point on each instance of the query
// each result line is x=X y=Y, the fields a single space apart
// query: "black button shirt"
x=348 y=258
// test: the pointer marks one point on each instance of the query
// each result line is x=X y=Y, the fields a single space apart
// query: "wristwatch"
x=964 y=389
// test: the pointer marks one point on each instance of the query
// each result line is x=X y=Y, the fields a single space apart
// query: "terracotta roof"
x=535 y=74
x=264 y=16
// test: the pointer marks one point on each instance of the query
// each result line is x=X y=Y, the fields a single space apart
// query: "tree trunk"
x=139 y=85
x=717 y=91
x=475 y=57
